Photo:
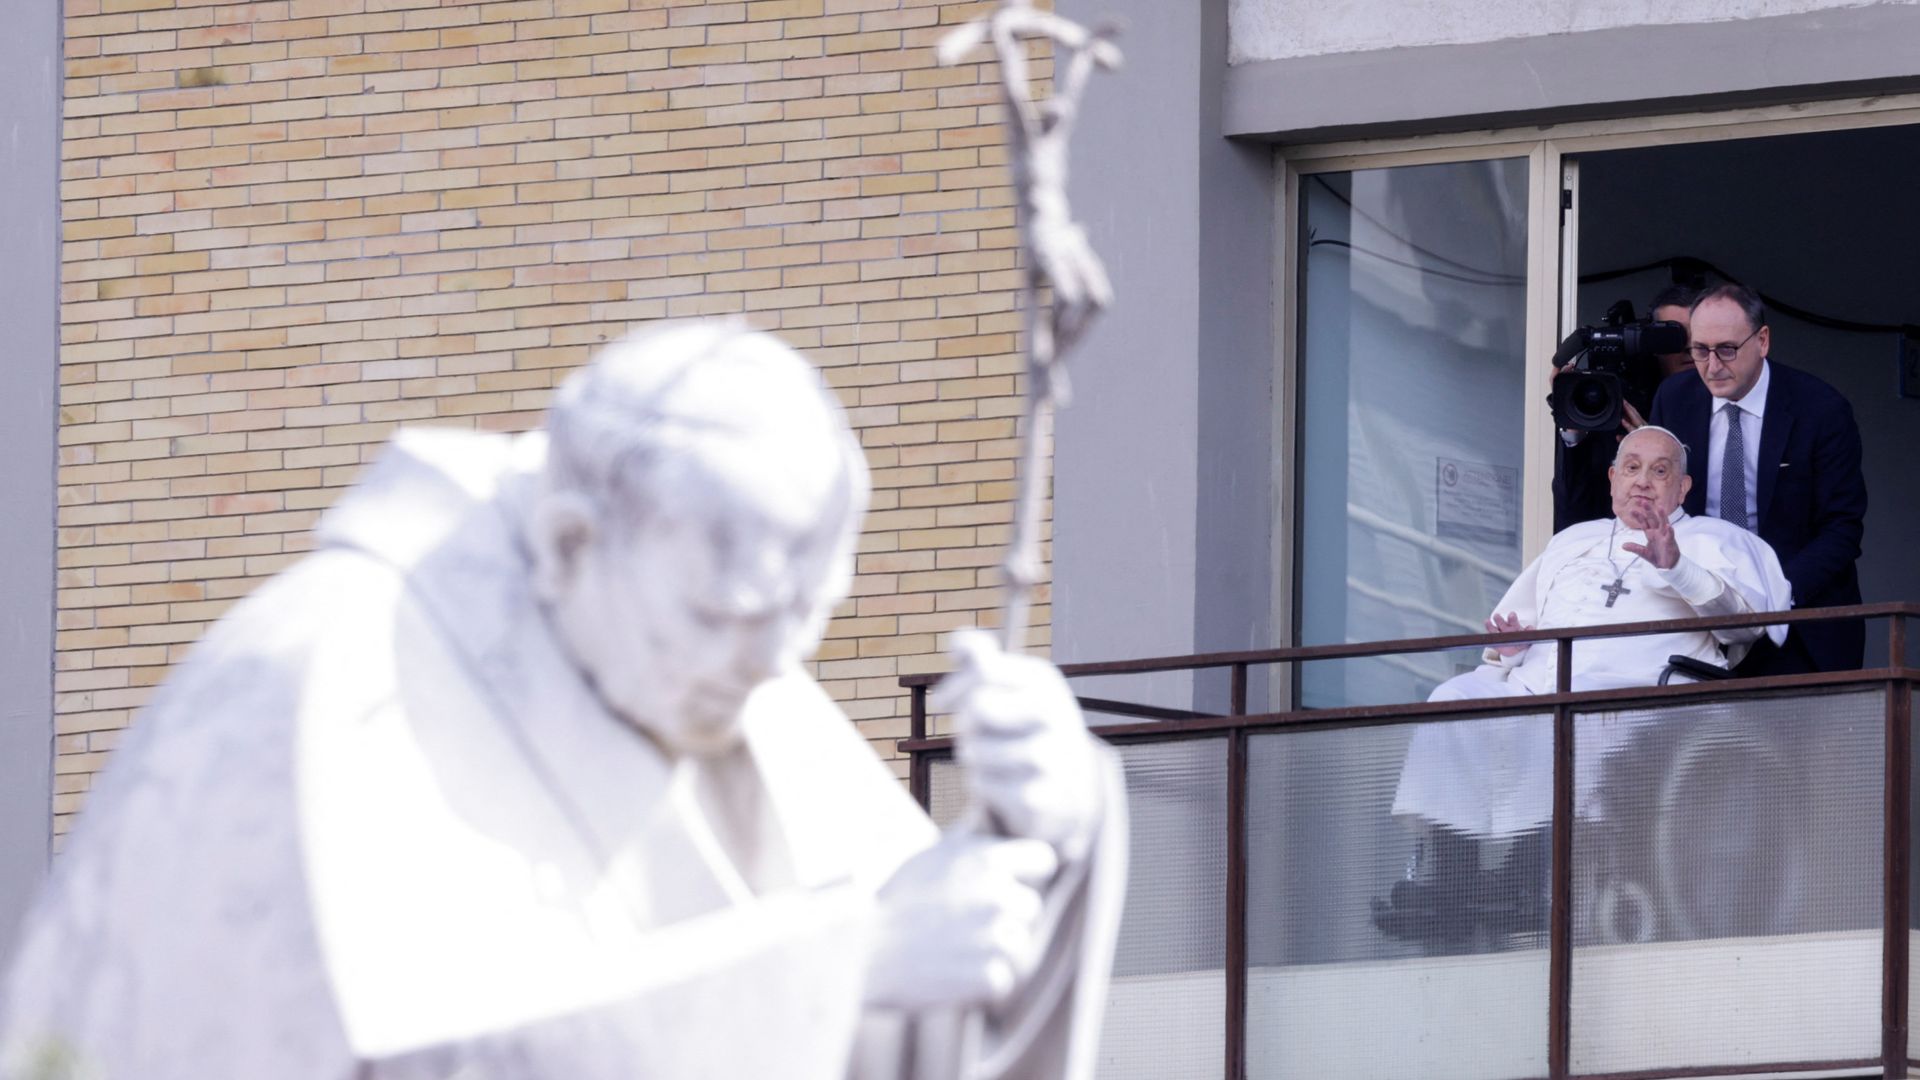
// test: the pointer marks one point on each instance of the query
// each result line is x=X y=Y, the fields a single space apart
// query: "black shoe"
x=1447 y=903
x=1431 y=906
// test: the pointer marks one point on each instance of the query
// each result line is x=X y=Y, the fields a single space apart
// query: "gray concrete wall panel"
x=1234 y=560
x=1161 y=476
x=1125 y=450
x=1636 y=70
x=29 y=310
x=1283 y=29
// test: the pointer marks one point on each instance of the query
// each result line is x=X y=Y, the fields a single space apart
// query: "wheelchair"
x=1690 y=836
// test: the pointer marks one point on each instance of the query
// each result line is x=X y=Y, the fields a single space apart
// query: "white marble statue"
x=518 y=775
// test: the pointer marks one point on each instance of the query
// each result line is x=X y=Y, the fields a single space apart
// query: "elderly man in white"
x=519 y=775
x=1493 y=777
x=1477 y=781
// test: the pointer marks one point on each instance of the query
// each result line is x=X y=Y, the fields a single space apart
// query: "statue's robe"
x=379 y=826
x=1494 y=776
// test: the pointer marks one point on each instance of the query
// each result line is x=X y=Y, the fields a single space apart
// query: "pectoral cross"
x=1614 y=590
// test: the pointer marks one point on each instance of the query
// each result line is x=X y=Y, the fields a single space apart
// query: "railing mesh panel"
x=1383 y=943
x=1727 y=894
x=1727 y=883
x=1166 y=1014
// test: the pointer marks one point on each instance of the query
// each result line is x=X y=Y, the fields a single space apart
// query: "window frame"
x=1550 y=230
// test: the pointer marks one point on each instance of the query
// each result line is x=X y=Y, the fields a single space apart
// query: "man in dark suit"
x=1775 y=450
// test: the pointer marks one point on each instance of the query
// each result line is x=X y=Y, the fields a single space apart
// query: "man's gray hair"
x=648 y=402
x=1661 y=430
x=1748 y=301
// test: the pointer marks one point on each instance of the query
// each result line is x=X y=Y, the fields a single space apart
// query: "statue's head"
x=696 y=524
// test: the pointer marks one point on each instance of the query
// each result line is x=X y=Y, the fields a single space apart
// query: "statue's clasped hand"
x=960 y=923
x=1029 y=762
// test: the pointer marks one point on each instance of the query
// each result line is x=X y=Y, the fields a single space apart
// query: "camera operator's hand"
x=1564 y=369
x=1633 y=421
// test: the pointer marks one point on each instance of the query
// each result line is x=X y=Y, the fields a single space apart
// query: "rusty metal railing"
x=1153 y=723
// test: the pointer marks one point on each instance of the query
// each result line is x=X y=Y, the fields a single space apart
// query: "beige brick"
x=290 y=226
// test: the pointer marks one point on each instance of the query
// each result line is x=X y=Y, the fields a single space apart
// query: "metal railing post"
x=918 y=782
x=1560 y=880
x=1236 y=958
x=1896 y=868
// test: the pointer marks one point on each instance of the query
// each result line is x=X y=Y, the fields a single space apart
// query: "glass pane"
x=1166 y=1014
x=1727 y=883
x=1412 y=375
x=1382 y=942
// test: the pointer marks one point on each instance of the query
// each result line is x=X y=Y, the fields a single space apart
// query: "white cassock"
x=1494 y=776
x=379 y=827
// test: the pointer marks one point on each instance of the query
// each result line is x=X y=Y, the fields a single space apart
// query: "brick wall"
x=292 y=225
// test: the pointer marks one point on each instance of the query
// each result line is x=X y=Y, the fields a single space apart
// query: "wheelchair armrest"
x=1700 y=670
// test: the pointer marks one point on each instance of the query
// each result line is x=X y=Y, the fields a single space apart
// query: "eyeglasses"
x=1726 y=353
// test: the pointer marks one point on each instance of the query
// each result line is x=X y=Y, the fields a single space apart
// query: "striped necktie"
x=1733 y=473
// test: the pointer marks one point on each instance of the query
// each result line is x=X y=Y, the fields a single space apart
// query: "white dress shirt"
x=1753 y=408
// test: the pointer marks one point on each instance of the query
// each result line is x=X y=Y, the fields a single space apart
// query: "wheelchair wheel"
x=1728 y=857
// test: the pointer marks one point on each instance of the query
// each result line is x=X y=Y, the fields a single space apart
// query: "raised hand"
x=1661 y=549
x=1507 y=624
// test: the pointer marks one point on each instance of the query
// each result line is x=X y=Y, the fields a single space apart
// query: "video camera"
x=1616 y=358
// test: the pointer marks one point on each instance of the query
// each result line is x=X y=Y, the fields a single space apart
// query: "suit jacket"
x=1811 y=495
x=1581 y=490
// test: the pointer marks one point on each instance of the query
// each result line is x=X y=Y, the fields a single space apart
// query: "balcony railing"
x=1717 y=886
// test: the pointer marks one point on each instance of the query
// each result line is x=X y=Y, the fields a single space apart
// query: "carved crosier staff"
x=1055 y=249
x=1056 y=257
